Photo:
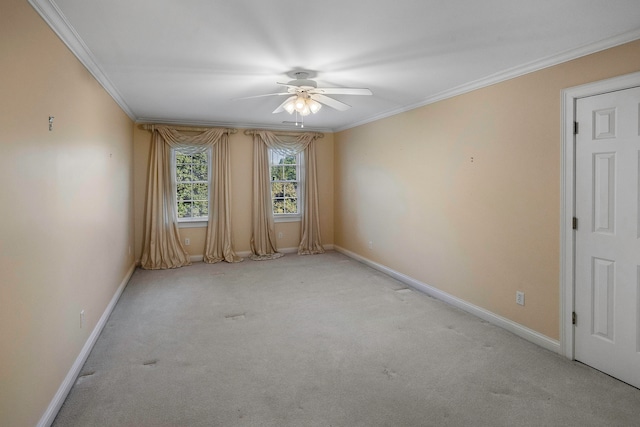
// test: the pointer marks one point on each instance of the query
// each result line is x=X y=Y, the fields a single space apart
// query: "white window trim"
x=297 y=217
x=190 y=222
x=287 y=217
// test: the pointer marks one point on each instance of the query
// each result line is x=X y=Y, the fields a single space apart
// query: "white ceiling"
x=187 y=61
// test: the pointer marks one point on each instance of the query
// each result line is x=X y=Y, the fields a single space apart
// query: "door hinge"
x=574 y=223
x=575 y=128
x=574 y=318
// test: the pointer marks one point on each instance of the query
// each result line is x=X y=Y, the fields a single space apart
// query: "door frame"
x=567 y=194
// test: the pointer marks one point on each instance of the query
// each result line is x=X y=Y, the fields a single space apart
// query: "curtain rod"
x=254 y=131
x=188 y=128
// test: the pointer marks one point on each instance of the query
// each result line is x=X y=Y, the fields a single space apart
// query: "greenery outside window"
x=192 y=186
x=286 y=185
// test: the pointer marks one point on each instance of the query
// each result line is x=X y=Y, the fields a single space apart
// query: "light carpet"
x=322 y=341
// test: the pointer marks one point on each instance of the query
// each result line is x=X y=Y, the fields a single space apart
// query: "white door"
x=607 y=279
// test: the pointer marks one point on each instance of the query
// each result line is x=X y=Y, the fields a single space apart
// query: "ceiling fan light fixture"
x=300 y=103
x=289 y=106
x=305 y=97
x=305 y=110
x=314 y=106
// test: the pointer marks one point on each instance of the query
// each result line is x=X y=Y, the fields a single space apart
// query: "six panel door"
x=608 y=234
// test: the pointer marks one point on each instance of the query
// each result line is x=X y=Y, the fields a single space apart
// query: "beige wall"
x=67 y=214
x=241 y=183
x=464 y=194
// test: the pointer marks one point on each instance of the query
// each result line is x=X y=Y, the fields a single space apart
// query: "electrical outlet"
x=519 y=298
x=370 y=245
x=187 y=241
x=280 y=235
x=82 y=319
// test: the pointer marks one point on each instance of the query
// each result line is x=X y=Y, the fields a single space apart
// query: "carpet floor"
x=321 y=341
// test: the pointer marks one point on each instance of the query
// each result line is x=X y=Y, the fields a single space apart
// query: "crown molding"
x=53 y=16
x=508 y=74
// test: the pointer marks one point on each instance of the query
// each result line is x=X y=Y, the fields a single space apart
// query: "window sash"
x=281 y=199
x=192 y=192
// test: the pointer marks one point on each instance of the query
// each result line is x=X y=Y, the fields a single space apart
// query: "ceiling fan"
x=305 y=97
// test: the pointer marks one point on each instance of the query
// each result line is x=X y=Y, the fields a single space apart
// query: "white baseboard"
x=288 y=250
x=50 y=414
x=509 y=325
x=247 y=254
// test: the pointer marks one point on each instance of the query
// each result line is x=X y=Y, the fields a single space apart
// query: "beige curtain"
x=218 y=245
x=162 y=247
x=263 y=234
x=310 y=224
x=161 y=242
x=263 y=240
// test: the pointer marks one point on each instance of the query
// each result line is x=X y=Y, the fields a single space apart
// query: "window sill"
x=287 y=218
x=193 y=224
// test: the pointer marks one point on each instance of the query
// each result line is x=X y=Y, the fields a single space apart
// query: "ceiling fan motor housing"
x=304 y=84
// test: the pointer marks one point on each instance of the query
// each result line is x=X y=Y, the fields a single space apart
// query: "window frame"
x=198 y=221
x=289 y=217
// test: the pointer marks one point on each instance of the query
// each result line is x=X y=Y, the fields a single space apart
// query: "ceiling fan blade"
x=262 y=96
x=288 y=85
x=341 y=91
x=333 y=103
x=281 y=106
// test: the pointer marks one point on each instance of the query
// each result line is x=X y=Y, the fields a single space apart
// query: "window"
x=285 y=184
x=192 y=186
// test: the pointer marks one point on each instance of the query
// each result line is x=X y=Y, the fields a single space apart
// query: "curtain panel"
x=263 y=240
x=162 y=247
x=263 y=231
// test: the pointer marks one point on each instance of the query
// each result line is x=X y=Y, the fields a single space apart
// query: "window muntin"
x=192 y=186
x=285 y=173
